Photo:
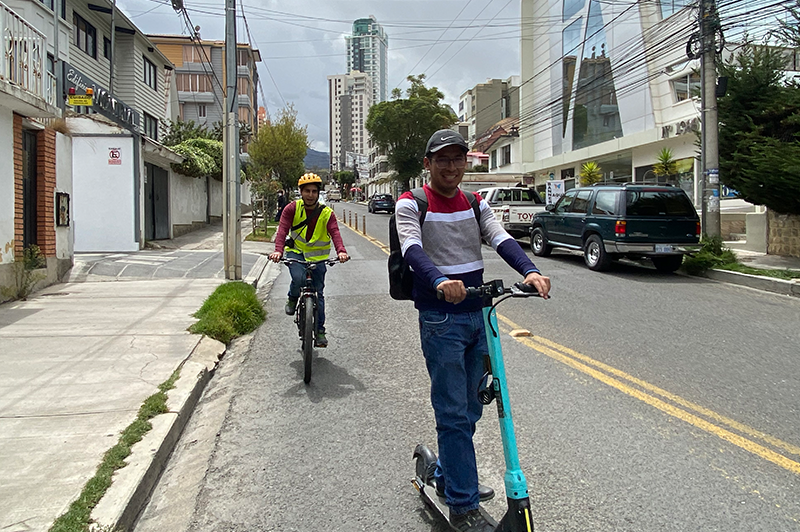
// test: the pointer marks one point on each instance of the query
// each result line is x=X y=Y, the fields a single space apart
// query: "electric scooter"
x=518 y=516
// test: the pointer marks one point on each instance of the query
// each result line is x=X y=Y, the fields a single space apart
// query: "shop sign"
x=680 y=128
x=102 y=101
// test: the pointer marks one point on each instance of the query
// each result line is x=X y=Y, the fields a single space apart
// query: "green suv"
x=608 y=222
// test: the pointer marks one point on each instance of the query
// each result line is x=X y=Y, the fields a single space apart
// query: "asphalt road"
x=643 y=402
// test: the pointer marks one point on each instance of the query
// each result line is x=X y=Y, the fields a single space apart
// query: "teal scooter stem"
x=518 y=516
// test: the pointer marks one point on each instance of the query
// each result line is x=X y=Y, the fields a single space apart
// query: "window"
x=150 y=76
x=151 y=126
x=686 y=87
x=243 y=86
x=48 y=3
x=107 y=48
x=85 y=35
x=201 y=110
x=605 y=203
x=493 y=159
x=506 y=155
x=564 y=203
x=581 y=203
x=195 y=53
x=194 y=83
x=659 y=203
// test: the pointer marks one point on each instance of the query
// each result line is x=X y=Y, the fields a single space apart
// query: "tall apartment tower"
x=367 y=52
x=349 y=98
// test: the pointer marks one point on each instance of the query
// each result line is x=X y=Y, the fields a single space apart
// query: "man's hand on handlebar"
x=343 y=257
x=275 y=256
x=453 y=290
x=540 y=282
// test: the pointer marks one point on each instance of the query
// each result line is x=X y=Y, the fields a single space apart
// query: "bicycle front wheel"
x=309 y=330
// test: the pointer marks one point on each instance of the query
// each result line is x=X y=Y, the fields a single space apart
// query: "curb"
x=256 y=271
x=758 y=282
x=132 y=485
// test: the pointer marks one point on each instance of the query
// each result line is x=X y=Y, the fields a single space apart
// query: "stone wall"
x=783 y=236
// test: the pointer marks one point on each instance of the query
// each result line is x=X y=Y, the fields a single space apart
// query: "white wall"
x=65 y=236
x=215 y=201
x=6 y=186
x=104 y=198
x=187 y=199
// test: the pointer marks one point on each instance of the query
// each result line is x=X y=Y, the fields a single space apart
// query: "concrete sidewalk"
x=78 y=361
x=757 y=282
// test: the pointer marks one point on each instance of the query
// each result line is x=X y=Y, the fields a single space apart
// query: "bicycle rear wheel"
x=309 y=330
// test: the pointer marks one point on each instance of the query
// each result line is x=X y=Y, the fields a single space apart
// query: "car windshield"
x=658 y=203
x=383 y=197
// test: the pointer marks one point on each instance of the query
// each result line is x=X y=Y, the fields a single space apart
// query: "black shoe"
x=322 y=340
x=291 y=306
x=484 y=492
x=472 y=521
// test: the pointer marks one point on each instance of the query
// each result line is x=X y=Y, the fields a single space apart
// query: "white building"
x=367 y=50
x=486 y=104
x=349 y=99
x=608 y=82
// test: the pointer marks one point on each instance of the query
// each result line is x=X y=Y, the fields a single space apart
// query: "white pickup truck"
x=514 y=207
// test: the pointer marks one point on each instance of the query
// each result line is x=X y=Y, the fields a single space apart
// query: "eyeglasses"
x=443 y=162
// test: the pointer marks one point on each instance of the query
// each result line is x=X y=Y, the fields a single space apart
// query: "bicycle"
x=306 y=313
x=518 y=514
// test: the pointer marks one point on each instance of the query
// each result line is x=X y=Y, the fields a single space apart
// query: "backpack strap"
x=476 y=206
x=422 y=203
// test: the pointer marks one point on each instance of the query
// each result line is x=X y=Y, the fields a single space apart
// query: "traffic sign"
x=80 y=99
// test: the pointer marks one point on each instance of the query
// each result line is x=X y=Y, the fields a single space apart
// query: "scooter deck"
x=433 y=501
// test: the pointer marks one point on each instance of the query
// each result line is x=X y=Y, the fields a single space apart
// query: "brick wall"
x=45 y=190
x=783 y=236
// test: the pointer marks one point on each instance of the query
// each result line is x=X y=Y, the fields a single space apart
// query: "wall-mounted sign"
x=102 y=101
x=681 y=128
x=554 y=190
x=62 y=209
x=75 y=99
x=114 y=156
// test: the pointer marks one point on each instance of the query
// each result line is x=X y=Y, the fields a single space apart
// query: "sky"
x=456 y=43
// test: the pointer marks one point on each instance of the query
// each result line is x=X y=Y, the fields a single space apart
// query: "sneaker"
x=484 y=492
x=472 y=521
x=321 y=340
x=291 y=306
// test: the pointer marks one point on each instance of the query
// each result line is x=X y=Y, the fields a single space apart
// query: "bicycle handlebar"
x=329 y=262
x=495 y=289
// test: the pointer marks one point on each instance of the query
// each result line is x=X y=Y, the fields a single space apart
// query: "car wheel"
x=668 y=264
x=594 y=254
x=539 y=244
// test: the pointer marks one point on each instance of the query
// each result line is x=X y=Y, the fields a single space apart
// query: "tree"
x=345 y=178
x=179 y=131
x=590 y=173
x=277 y=152
x=666 y=165
x=759 y=137
x=402 y=126
x=202 y=154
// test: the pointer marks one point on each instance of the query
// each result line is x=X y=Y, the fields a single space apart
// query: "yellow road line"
x=565 y=356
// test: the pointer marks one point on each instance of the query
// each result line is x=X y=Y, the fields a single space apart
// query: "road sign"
x=80 y=99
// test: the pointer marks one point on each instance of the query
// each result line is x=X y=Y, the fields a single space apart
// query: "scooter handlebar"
x=495 y=289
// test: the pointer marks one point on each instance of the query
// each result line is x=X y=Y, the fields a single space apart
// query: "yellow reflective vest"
x=318 y=247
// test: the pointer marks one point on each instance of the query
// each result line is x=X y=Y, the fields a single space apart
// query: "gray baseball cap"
x=444 y=138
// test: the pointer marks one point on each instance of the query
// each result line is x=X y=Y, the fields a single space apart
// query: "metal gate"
x=29 y=214
x=157 y=203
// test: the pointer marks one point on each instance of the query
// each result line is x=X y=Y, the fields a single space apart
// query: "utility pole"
x=709 y=24
x=231 y=203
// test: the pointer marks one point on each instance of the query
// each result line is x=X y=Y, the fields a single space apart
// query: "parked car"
x=333 y=195
x=608 y=222
x=513 y=207
x=381 y=202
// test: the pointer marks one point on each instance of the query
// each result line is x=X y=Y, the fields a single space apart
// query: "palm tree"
x=590 y=173
x=666 y=165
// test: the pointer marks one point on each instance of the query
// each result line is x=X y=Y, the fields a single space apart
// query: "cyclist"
x=310 y=226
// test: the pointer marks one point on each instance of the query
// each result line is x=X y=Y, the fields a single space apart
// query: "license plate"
x=664 y=248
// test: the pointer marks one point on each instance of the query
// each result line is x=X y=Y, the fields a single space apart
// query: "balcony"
x=25 y=85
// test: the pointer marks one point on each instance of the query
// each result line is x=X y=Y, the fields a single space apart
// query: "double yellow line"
x=667 y=402
x=707 y=420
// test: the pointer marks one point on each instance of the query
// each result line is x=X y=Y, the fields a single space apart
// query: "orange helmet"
x=309 y=179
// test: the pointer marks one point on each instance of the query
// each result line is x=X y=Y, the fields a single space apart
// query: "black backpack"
x=401 y=278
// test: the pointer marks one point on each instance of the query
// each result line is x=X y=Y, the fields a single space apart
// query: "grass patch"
x=232 y=310
x=78 y=517
x=714 y=255
x=263 y=233
x=778 y=274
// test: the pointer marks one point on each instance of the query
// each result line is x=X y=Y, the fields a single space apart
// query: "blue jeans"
x=455 y=347
x=298 y=272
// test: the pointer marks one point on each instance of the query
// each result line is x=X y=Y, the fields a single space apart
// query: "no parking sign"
x=114 y=156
